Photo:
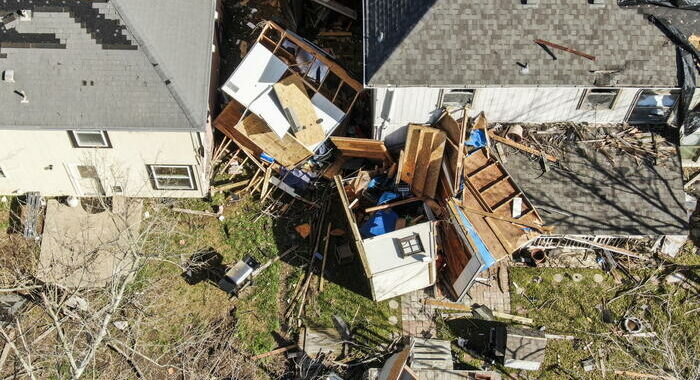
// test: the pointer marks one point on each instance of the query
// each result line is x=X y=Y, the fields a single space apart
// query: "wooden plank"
x=503 y=218
x=299 y=110
x=408 y=162
x=461 y=307
x=275 y=352
x=394 y=204
x=425 y=144
x=564 y=48
x=434 y=165
x=519 y=146
x=356 y=147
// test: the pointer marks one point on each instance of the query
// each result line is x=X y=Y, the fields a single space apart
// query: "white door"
x=86 y=180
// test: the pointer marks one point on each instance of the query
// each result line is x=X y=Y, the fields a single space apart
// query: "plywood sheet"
x=253 y=134
x=422 y=159
x=299 y=110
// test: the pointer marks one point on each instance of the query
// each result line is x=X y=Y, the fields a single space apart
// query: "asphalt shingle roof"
x=456 y=43
x=122 y=64
x=590 y=196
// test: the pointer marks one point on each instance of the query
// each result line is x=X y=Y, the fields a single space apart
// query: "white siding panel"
x=395 y=108
x=544 y=105
x=36 y=161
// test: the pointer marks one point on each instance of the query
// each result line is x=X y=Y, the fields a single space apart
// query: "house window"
x=172 y=177
x=598 y=99
x=653 y=106
x=458 y=98
x=410 y=245
x=90 y=139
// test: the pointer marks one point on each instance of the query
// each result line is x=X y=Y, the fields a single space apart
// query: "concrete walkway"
x=83 y=250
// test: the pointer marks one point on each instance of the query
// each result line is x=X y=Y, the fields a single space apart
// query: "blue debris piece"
x=387 y=197
x=480 y=246
x=477 y=139
x=379 y=223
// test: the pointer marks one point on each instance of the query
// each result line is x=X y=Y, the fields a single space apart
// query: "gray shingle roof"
x=479 y=43
x=152 y=71
x=593 y=197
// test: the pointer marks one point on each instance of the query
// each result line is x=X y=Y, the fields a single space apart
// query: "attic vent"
x=530 y=3
x=8 y=76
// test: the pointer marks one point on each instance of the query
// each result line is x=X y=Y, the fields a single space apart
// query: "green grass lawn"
x=257 y=315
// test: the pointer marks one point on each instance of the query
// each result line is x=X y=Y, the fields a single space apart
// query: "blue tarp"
x=379 y=223
x=477 y=139
x=387 y=197
x=480 y=248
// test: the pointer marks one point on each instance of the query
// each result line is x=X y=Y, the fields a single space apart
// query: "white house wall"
x=38 y=161
x=396 y=107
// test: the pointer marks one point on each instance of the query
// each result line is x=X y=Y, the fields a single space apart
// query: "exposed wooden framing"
x=481 y=169
x=352 y=224
x=333 y=66
x=492 y=184
x=519 y=146
x=506 y=200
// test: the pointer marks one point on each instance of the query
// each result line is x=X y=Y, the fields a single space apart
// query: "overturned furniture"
x=395 y=241
x=287 y=97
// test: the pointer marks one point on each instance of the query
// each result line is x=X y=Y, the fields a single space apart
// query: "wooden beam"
x=564 y=48
x=393 y=204
x=275 y=352
x=461 y=307
x=519 y=146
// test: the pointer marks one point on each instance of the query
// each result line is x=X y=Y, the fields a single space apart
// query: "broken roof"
x=463 y=43
x=122 y=64
x=590 y=196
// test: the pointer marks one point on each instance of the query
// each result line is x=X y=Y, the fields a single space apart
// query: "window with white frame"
x=172 y=177
x=90 y=139
x=457 y=98
x=598 y=99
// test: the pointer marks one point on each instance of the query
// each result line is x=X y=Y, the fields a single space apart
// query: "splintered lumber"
x=276 y=352
x=299 y=110
x=266 y=182
x=363 y=148
x=393 y=204
x=325 y=256
x=461 y=307
x=564 y=48
x=422 y=159
x=229 y=186
x=519 y=146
